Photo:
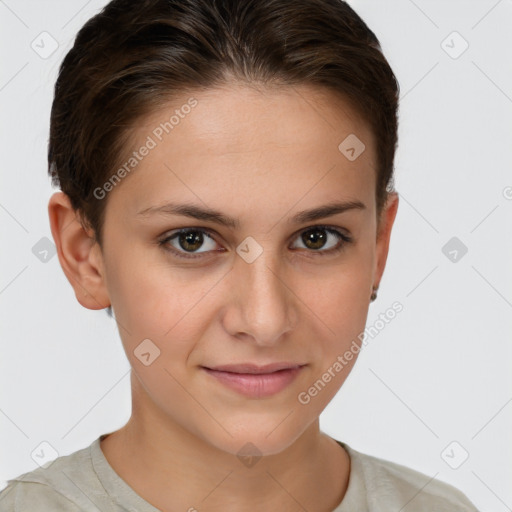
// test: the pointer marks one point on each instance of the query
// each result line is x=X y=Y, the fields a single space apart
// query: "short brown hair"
x=134 y=56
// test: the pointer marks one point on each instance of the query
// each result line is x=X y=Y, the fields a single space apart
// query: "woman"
x=226 y=175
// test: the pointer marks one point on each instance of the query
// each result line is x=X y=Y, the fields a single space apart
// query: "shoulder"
x=21 y=496
x=400 y=487
x=67 y=483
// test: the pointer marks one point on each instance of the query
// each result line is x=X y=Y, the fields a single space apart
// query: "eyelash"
x=342 y=237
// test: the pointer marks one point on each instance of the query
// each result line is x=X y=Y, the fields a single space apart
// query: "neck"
x=173 y=469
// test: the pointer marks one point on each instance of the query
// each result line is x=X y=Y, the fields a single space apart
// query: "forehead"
x=245 y=116
x=248 y=140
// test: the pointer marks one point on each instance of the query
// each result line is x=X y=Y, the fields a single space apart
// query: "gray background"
x=431 y=387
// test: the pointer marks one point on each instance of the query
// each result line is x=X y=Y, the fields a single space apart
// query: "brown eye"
x=314 y=238
x=187 y=242
x=323 y=240
x=190 y=240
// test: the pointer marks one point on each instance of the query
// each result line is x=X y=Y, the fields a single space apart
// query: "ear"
x=385 y=223
x=79 y=254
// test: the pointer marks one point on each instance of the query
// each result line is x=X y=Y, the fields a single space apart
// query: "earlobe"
x=78 y=252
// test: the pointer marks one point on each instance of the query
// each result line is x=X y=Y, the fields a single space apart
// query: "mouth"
x=253 y=369
x=256 y=381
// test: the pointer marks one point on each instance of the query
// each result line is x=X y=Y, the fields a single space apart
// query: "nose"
x=261 y=305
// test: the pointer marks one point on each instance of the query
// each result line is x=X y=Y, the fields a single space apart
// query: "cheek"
x=149 y=297
x=159 y=301
x=342 y=311
x=340 y=306
x=340 y=297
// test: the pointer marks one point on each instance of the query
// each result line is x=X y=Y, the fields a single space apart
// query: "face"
x=266 y=285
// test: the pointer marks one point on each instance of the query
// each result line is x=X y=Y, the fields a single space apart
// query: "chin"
x=256 y=442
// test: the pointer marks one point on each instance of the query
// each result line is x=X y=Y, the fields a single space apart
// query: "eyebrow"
x=210 y=215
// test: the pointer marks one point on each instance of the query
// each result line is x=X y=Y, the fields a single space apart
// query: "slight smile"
x=256 y=381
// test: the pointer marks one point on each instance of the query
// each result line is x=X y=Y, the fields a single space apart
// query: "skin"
x=259 y=155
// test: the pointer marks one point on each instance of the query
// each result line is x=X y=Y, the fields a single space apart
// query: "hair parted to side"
x=134 y=56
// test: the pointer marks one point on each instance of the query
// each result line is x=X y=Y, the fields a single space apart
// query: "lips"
x=250 y=368
x=255 y=381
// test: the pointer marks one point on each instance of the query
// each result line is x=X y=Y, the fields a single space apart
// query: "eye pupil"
x=313 y=236
x=188 y=238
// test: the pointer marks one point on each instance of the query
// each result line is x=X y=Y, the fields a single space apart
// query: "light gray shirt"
x=85 y=481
